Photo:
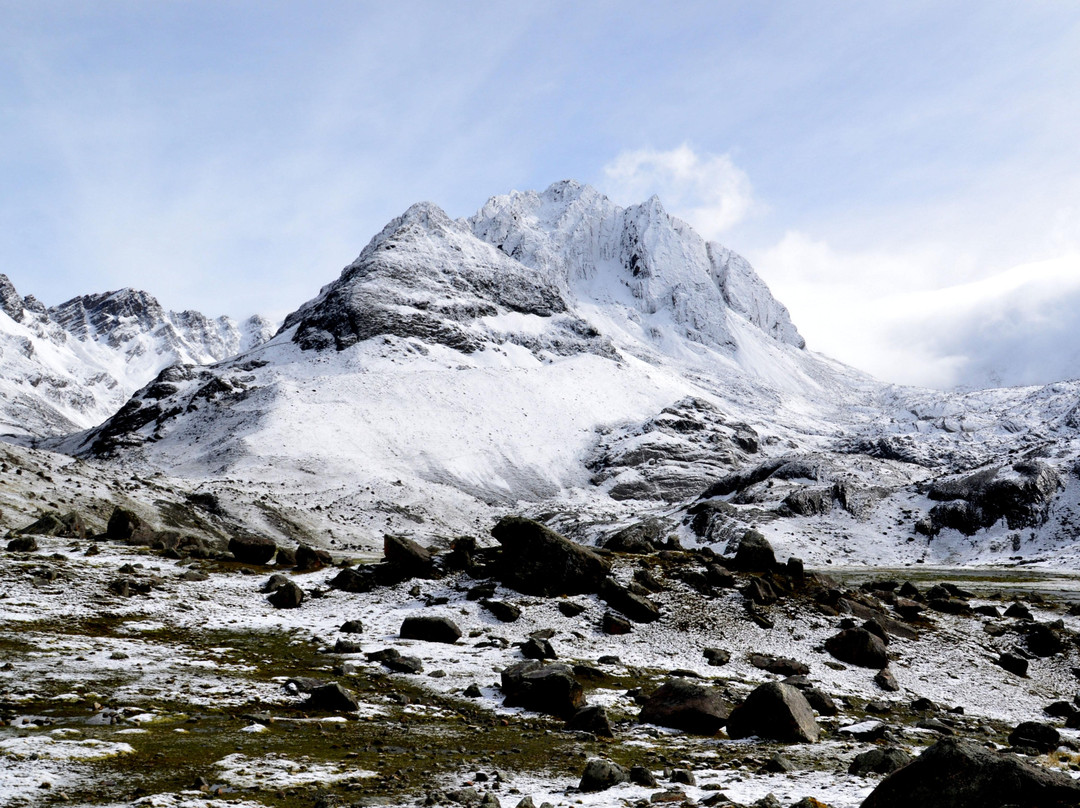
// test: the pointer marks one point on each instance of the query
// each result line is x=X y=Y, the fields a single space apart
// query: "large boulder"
x=775 y=711
x=754 y=554
x=879 y=761
x=857 y=646
x=682 y=704
x=550 y=689
x=637 y=608
x=536 y=560
x=126 y=526
x=68 y=526
x=251 y=549
x=286 y=596
x=332 y=698
x=355 y=579
x=956 y=773
x=430 y=629
x=642 y=538
x=1035 y=735
x=600 y=775
x=408 y=558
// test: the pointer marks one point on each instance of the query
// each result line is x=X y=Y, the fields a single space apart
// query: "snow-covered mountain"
x=594 y=365
x=71 y=366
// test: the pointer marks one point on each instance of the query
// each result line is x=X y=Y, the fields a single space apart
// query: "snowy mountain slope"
x=72 y=366
x=443 y=375
x=559 y=355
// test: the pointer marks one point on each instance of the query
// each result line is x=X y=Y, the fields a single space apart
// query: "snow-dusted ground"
x=124 y=687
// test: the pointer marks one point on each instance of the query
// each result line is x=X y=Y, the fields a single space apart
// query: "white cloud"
x=890 y=315
x=708 y=191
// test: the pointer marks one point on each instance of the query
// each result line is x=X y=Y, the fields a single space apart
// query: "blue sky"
x=905 y=176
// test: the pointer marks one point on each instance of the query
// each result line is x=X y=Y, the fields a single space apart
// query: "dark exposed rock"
x=635 y=607
x=346 y=646
x=352 y=627
x=956 y=773
x=1042 y=640
x=404 y=664
x=820 y=701
x=126 y=526
x=1019 y=611
x=615 y=624
x=550 y=689
x=570 y=608
x=430 y=629
x=775 y=711
x=1020 y=495
x=310 y=558
x=781 y=666
x=600 y=775
x=332 y=698
x=809 y=501
x=408 y=557
x=22 y=544
x=879 y=761
x=537 y=648
x=857 y=646
x=287 y=596
x=886 y=681
x=642 y=538
x=682 y=704
x=251 y=549
x=286 y=557
x=592 y=719
x=717 y=656
x=503 y=611
x=1035 y=735
x=760 y=591
x=538 y=561
x=274 y=583
x=1013 y=663
x=641 y=776
x=355 y=579
x=754 y=553
x=69 y=526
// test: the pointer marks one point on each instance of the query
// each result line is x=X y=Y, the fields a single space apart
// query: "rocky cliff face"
x=72 y=366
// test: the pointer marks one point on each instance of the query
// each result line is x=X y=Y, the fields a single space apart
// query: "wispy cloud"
x=708 y=191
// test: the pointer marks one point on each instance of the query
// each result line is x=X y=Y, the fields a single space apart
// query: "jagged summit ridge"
x=638 y=256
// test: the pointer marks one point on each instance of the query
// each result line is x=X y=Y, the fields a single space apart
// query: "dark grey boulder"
x=615 y=624
x=550 y=689
x=682 y=704
x=1042 y=640
x=886 y=680
x=536 y=560
x=332 y=698
x=1013 y=663
x=641 y=539
x=287 y=596
x=252 y=549
x=777 y=712
x=857 y=646
x=782 y=666
x=600 y=775
x=355 y=579
x=717 y=656
x=22 y=544
x=408 y=558
x=634 y=606
x=956 y=773
x=754 y=553
x=274 y=583
x=502 y=611
x=538 y=648
x=594 y=719
x=1035 y=735
x=879 y=761
x=569 y=608
x=430 y=629
x=67 y=526
x=352 y=627
x=307 y=559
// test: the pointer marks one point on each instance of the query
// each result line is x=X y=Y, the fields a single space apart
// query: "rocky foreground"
x=142 y=669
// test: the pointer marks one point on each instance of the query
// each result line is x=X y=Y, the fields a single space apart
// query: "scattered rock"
x=355 y=579
x=550 y=689
x=775 y=711
x=537 y=648
x=717 y=656
x=642 y=538
x=308 y=559
x=886 y=681
x=274 y=583
x=408 y=558
x=570 y=609
x=503 y=611
x=332 y=698
x=879 y=761
x=67 y=526
x=1035 y=735
x=1019 y=611
x=430 y=629
x=956 y=773
x=857 y=646
x=782 y=666
x=682 y=704
x=251 y=549
x=538 y=561
x=754 y=554
x=352 y=627
x=641 y=776
x=1013 y=663
x=635 y=607
x=600 y=775
x=287 y=596
x=22 y=544
x=592 y=719
x=615 y=624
